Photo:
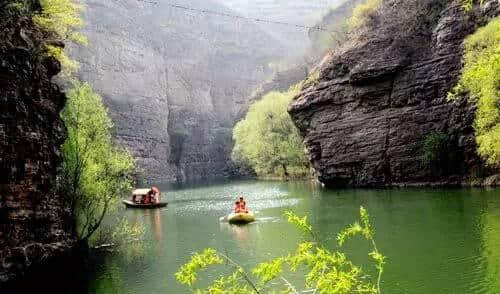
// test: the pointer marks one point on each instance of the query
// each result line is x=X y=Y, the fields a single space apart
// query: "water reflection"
x=156 y=224
x=240 y=233
x=437 y=241
x=109 y=282
x=491 y=240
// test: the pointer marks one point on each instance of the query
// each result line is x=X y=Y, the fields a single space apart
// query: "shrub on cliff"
x=61 y=18
x=469 y=4
x=481 y=78
x=268 y=140
x=327 y=271
x=434 y=152
x=362 y=12
x=95 y=173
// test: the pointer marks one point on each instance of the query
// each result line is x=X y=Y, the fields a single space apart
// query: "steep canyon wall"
x=34 y=223
x=382 y=93
x=175 y=81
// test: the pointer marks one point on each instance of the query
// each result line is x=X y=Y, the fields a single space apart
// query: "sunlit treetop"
x=63 y=18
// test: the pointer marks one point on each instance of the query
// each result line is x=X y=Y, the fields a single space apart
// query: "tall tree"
x=95 y=172
x=268 y=140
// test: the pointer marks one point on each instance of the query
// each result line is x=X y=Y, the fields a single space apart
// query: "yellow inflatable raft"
x=241 y=218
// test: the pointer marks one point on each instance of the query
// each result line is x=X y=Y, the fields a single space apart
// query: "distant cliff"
x=319 y=42
x=175 y=81
x=34 y=224
x=382 y=93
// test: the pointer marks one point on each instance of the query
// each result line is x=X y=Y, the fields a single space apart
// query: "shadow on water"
x=69 y=273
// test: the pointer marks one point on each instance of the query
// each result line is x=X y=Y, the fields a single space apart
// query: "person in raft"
x=240 y=206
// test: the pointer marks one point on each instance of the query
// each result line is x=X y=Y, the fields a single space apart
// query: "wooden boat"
x=241 y=218
x=141 y=193
x=131 y=204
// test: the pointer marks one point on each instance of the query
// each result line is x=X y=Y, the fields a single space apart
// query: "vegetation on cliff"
x=327 y=271
x=362 y=12
x=267 y=139
x=435 y=152
x=62 y=18
x=59 y=19
x=481 y=78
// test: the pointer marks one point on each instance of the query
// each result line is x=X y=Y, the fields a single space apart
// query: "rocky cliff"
x=32 y=218
x=384 y=91
x=174 y=80
x=318 y=42
x=299 y=12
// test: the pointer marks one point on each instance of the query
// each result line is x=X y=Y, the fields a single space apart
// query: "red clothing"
x=240 y=206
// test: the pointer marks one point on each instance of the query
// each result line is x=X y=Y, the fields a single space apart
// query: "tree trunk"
x=285 y=170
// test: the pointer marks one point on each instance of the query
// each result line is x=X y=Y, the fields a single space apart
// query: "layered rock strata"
x=382 y=93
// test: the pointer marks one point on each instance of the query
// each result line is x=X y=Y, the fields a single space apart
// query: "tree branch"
x=290 y=286
x=242 y=272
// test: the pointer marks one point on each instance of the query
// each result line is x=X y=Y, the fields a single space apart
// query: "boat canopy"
x=141 y=191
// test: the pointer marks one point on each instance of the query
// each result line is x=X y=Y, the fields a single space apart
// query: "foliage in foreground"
x=481 y=78
x=95 y=172
x=328 y=271
x=268 y=140
x=62 y=18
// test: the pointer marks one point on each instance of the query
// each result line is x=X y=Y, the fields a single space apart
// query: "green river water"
x=436 y=241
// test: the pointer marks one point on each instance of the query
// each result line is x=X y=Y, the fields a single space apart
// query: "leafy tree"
x=95 y=172
x=481 y=78
x=328 y=271
x=268 y=140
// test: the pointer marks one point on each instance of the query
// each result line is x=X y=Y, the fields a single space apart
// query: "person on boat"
x=156 y=195
x=242 y=205
x=153 y=196
x=150 y=196
x=237 y=207
x=144 y=198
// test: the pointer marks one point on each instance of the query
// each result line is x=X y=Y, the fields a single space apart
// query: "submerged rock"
x=382 y=93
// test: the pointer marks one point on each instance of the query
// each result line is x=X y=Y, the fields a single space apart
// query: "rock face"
x=33 y=222
x=297 y=12
x=381 y=94
x=302 y=66
x=175 y=81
